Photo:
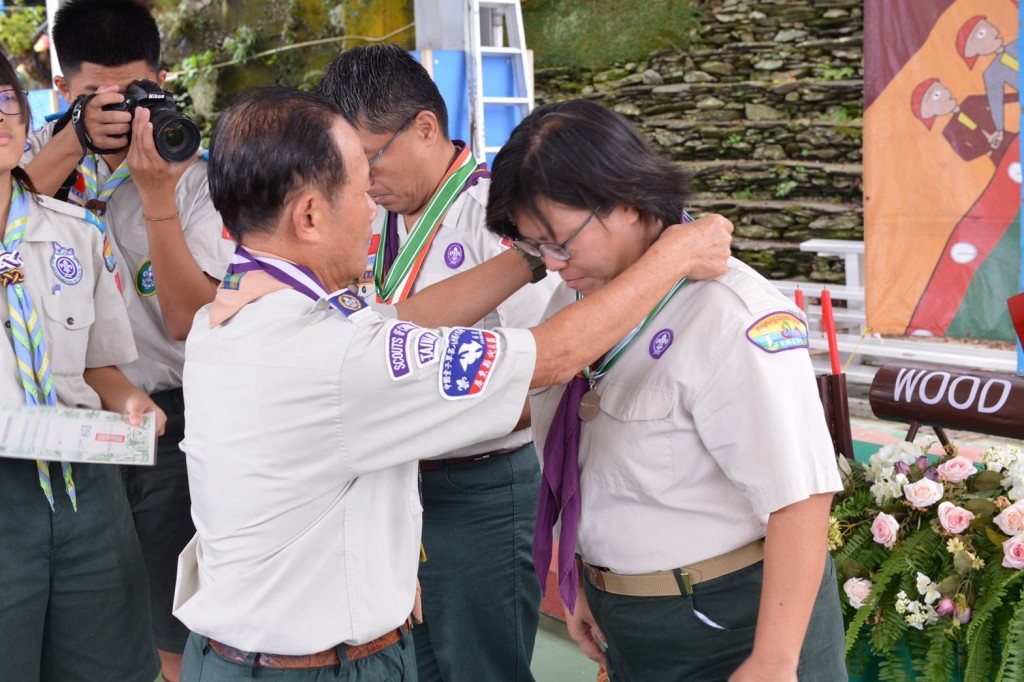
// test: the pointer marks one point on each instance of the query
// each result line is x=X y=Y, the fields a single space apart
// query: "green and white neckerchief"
x=590 y=403
x=90 y=195
x=396 y=285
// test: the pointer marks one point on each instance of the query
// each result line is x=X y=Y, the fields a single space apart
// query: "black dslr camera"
x=175 y=134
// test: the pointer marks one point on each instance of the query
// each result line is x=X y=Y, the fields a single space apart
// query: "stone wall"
x=766 y=111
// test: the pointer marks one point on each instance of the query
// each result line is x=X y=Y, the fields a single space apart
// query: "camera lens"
x=176 y=136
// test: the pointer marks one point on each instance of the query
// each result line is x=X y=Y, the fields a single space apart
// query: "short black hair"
x=380 y=87
x=269 y=144
x=582 y=155
x=9 y=77
x=105 y=32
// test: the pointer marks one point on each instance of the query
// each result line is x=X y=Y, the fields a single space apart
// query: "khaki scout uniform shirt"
x=702 y=432
x=83 y=316
x=463 y=242
x=303 y=428
x=161 y=357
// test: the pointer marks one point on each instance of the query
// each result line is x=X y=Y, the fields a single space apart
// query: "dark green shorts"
x=73 y=593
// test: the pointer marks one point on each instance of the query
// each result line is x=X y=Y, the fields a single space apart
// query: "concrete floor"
x=556 y=658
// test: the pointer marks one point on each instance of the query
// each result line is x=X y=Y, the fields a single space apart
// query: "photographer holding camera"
x=165 y=240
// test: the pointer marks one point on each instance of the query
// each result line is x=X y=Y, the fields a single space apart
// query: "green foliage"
x=734 y=139
x=193 y=69
x=842 y=73
x=784 y=188
x=19 y=26
x=743 y=194
x=239 y=46
x=579 y=34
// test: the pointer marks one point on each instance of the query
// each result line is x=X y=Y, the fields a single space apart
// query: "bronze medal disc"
x=590 y=405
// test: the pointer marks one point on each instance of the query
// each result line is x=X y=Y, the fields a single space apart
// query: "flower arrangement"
x=930 y=553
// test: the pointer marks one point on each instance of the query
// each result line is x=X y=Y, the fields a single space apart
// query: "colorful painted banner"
x=942 y=166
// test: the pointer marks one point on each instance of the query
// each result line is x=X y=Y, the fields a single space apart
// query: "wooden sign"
x=970 y=400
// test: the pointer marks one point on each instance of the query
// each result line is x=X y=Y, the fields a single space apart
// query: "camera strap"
x=78 y=121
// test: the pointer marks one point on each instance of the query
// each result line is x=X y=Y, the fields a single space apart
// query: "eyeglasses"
x=387 y=145
x=10 y=103
x=556 y=251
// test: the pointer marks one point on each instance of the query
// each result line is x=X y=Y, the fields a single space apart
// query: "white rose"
x=923 y=493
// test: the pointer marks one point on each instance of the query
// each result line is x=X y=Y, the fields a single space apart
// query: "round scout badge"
x=590 y=403
x=65 y=264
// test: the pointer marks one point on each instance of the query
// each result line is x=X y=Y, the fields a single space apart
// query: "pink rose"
x=957 y=469
x=857 y=590
x=1013 y=552
x=1011 y=519
x=884 y=529
x=923 y=493
x=945 y=608
x=953 y=518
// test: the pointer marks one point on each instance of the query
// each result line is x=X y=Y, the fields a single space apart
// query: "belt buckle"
x=684 y=580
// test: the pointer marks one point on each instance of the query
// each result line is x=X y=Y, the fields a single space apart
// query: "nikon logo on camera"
x=176 y=136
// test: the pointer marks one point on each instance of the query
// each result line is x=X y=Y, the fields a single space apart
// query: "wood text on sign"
x=971 y=400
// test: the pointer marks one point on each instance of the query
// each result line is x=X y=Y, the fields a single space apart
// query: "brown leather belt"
x=323 y=659
x=677 y=581
x=433 y=464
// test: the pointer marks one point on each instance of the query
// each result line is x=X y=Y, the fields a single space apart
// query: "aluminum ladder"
x=500 y=85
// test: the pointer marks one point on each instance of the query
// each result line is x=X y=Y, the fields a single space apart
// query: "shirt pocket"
x=68 y=319
x=631 y=441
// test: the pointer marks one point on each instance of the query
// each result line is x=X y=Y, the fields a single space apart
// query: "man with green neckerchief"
x=480 y=597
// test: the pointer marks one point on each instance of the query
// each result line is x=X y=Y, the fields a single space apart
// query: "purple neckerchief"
x=391 y=226
x=559 y=495
x=296 y=276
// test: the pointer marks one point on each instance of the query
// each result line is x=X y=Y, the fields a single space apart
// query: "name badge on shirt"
x=466 y=363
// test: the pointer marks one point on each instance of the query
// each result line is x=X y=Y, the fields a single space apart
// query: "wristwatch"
x=535 y=263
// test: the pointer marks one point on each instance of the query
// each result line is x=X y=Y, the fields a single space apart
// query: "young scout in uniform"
x=167 y=239
x=73 y=605
x=691 y=467
x=304 y=486
x=480 y=600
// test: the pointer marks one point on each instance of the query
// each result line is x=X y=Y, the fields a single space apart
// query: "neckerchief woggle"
x=560 y=479
x=27 y=335
x=250 y=276
x=393 y=277
x=93 y=199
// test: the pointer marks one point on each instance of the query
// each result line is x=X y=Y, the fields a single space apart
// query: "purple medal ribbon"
x=560 y=495
x=251 y=262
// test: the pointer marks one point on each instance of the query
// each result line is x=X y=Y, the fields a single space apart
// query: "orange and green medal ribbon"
x=395 y=285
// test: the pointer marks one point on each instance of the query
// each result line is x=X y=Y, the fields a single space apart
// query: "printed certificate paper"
x=65 y=434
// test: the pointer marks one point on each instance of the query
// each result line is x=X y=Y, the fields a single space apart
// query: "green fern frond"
x=1011 y=668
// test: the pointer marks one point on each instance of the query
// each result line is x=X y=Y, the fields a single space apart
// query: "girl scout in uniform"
x=691 y=467
x=73 y=594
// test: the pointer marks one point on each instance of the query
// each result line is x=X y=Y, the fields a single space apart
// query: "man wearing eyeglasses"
x=480 y=597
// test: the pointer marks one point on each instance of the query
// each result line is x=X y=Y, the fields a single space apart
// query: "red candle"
x=828 y=321
x=799 y=296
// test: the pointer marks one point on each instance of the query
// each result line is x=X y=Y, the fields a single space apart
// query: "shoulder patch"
x=347 y=303
x=466 y=362
x=399 y=357
x=777 y=332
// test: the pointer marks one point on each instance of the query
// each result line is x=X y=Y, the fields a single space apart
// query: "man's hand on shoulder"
x=702 y=245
